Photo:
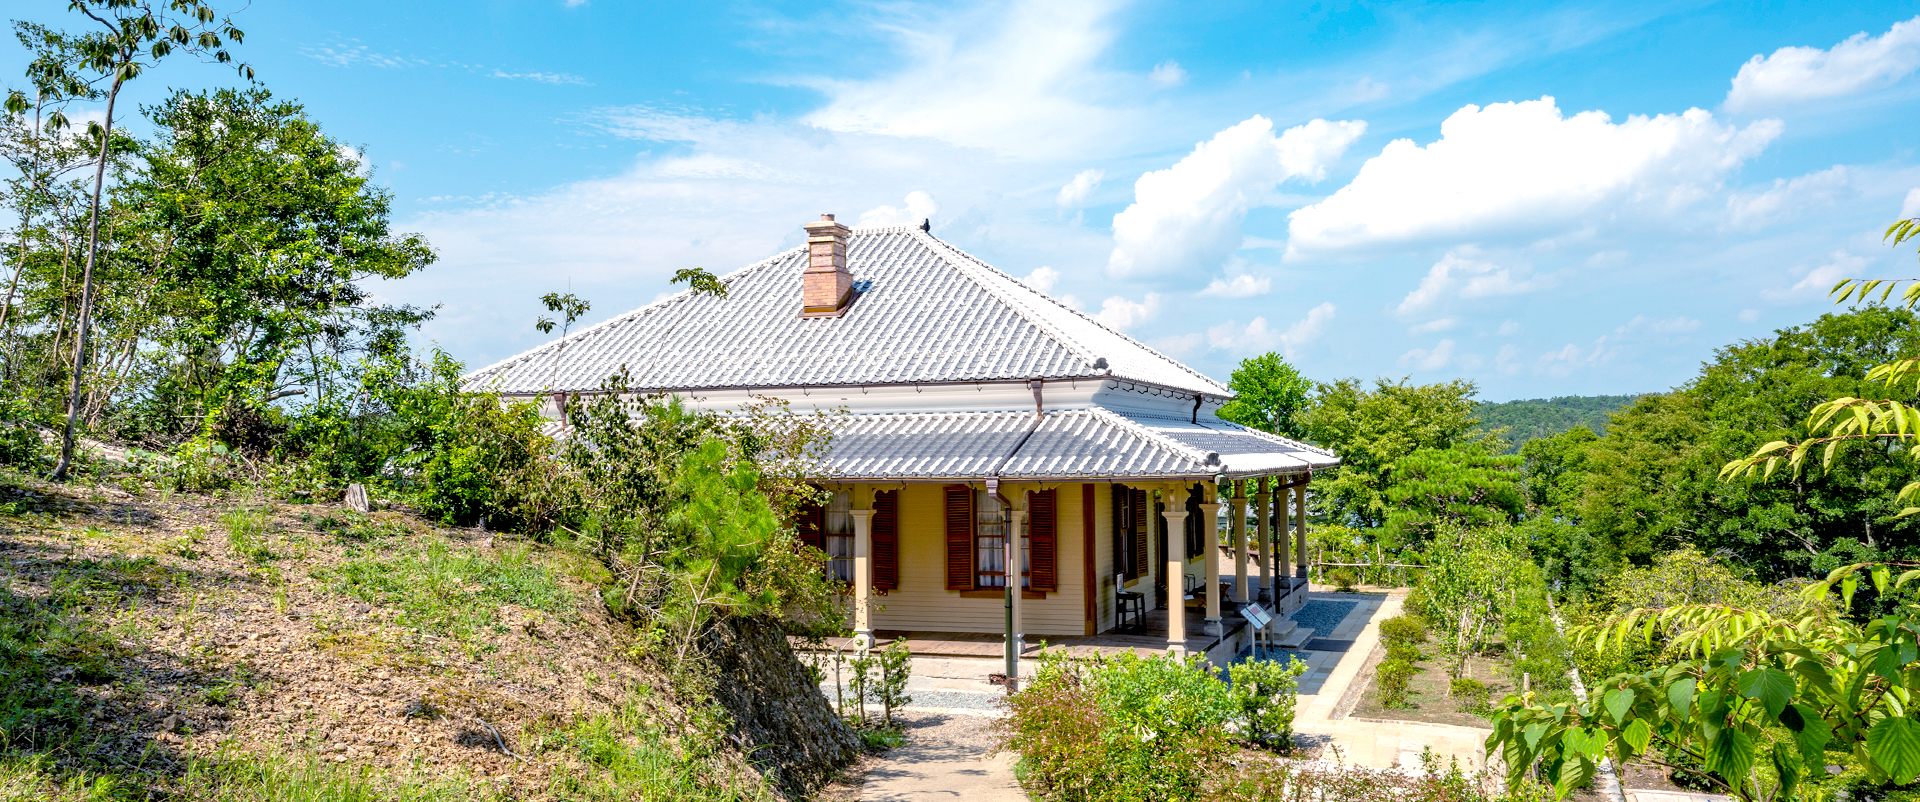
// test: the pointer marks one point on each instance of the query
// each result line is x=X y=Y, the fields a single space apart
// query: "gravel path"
x=945 y=758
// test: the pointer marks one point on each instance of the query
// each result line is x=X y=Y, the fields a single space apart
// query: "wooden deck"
x=1153 y=640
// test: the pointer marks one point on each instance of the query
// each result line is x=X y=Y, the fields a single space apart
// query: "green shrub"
x=1267 y=691
x=1464 y=688
x=19 y=441
x=1391 y=678
x=1403 y=653
x=1404 y=629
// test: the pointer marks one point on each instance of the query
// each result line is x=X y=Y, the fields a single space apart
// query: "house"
x=976 y=407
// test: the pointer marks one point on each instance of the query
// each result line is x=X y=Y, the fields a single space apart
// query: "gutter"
x=1039 y=417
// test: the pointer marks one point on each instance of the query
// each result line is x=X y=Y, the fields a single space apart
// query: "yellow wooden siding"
x=923 y=603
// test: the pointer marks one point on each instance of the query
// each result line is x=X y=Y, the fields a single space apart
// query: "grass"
x=287 y=778
x=247 y=534
x=629 y=759
x=452 y=592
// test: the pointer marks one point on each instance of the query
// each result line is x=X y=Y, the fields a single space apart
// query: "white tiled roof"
x=1068 y=445
x=926 y=313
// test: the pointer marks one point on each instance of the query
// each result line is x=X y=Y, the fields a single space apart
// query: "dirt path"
x=945 y=758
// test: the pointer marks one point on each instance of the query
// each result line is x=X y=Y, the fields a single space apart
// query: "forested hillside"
x=1544 y=417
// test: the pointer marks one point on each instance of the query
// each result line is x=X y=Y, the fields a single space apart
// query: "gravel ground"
x=1322 y=616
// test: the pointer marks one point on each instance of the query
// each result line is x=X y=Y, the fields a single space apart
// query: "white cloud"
x=1257 y=336
x=1507 y=361
x=1433 y=358
x=575 y=3
x=1561 y=362
x=353 y=154
x=1180 y=345
x=1673 y=325
x=1457 y=276
x=1020 y=80
x=1121 y=313
x=1187 y=217
x=1525 y=169
x=1910 y=208
x=1633 y=337
x=919 y=205
x=1749 y=315
x=1808 y=73
x=1433 y=326
x=1042 y=279
x=1242 y=286
x=1076 y=191
x=542 y=77
x=1785 y=198
x=1509 y=328
x=1167 y=74
x=1819 y=280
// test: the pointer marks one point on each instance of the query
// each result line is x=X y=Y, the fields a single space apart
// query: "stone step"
x=1296 y=638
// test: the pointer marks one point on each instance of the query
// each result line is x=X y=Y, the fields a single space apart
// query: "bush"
x=19 y=442
x=1120 y=728
x=1464 y=688
x=1404 y=629
x=1392 y=677
x=1268 y=691
x=1403 y=653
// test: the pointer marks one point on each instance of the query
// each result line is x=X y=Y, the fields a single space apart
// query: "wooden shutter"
x=959 y=537
x=1142 y=515
x=813 y=526
x=1043 y=543
x=886 y=540
x=1122 y=560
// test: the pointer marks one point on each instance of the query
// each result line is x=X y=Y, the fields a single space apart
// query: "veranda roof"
x=1068 y=445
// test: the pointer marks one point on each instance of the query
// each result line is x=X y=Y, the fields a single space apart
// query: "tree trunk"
x=86 y=284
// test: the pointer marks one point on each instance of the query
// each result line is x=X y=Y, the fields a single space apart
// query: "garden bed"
x=1428 y=699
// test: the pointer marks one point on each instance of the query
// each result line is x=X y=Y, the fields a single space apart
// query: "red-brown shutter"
x=959 y=537
x=812 y=524
x=886 y=540
x=1142 y=519
x=1043 y=550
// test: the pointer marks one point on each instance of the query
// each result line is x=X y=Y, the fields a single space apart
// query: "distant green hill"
x=1545 y=417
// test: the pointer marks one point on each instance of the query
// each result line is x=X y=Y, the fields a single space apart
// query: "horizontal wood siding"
x=923 y=603
x=1103 y=567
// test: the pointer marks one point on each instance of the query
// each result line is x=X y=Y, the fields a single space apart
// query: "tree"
x=1463 y=486
x=1372 y=430
x=1267 y=393
x=126 y=37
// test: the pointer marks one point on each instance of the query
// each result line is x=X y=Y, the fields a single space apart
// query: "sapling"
x=896 y=665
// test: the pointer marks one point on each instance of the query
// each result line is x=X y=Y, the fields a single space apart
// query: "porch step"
x=1296 y=638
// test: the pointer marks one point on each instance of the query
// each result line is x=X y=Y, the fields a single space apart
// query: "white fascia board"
x=1057 y=394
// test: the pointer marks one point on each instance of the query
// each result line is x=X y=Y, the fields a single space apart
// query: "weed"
x=628 y=757
x=880 y=738
x=235 y=777
x=449 y=592
x=246 y=534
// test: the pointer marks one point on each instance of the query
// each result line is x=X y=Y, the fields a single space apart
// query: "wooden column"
x=1210 y=537
x=1174 y=509
x=1016 y=519
x=1263 y=530
x=1237 y=523
x=862 y=567
x=1300 y=529
x=1283 y=537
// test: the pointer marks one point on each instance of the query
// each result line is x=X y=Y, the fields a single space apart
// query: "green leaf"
x=1680 y=695
x=1637 y=735
x=1787 y=765
x=1771 y=686
x=1587 y=741
x=1532 y=734
x=1894 y=744
x=1810 y=732
x=1730 y=755
x=1815 y=676
x=1619 y=703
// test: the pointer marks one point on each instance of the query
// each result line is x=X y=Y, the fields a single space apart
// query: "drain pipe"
x=1011 y=542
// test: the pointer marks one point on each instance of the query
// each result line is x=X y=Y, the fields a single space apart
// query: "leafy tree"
x=1267 y=394
x=1462 y=486
x=1552 y=469
x=125 y=37
x=1533 y=418
x=1372 y=430
x=569 y=306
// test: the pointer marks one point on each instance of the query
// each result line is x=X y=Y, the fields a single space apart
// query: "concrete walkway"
x=945 y=758
x=1377 y=744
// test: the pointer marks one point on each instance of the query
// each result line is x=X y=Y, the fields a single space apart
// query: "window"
x=838 y=537
x=990 y=545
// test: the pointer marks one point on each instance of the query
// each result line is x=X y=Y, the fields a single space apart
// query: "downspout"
x=1197 y=398
x=1013 y=538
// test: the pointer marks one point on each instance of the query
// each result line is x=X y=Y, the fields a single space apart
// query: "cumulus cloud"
x=1241 y=286
x=1819 y=280
x=1021 y=80
x=1910 y=208
x=1634 y=336
x=1187 y=217
x=1257 y=336
x=918 y=206
x=1509 y=328
x=1433 y=358
x=1076 y=191
x=1167 y=74
x=1749 y=315
x=1525 y=169
x=1042 y=279
x=1121 y=313
x=1458 y=276
x=1785 y=197
x=1432 y=326
x=1856 y=65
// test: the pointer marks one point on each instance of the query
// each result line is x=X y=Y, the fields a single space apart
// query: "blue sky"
x=1547 y=199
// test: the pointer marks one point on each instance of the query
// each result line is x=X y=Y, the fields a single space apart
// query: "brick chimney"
x=826 y=287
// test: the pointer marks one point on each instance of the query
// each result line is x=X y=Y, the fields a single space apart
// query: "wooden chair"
x=1128 y=603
